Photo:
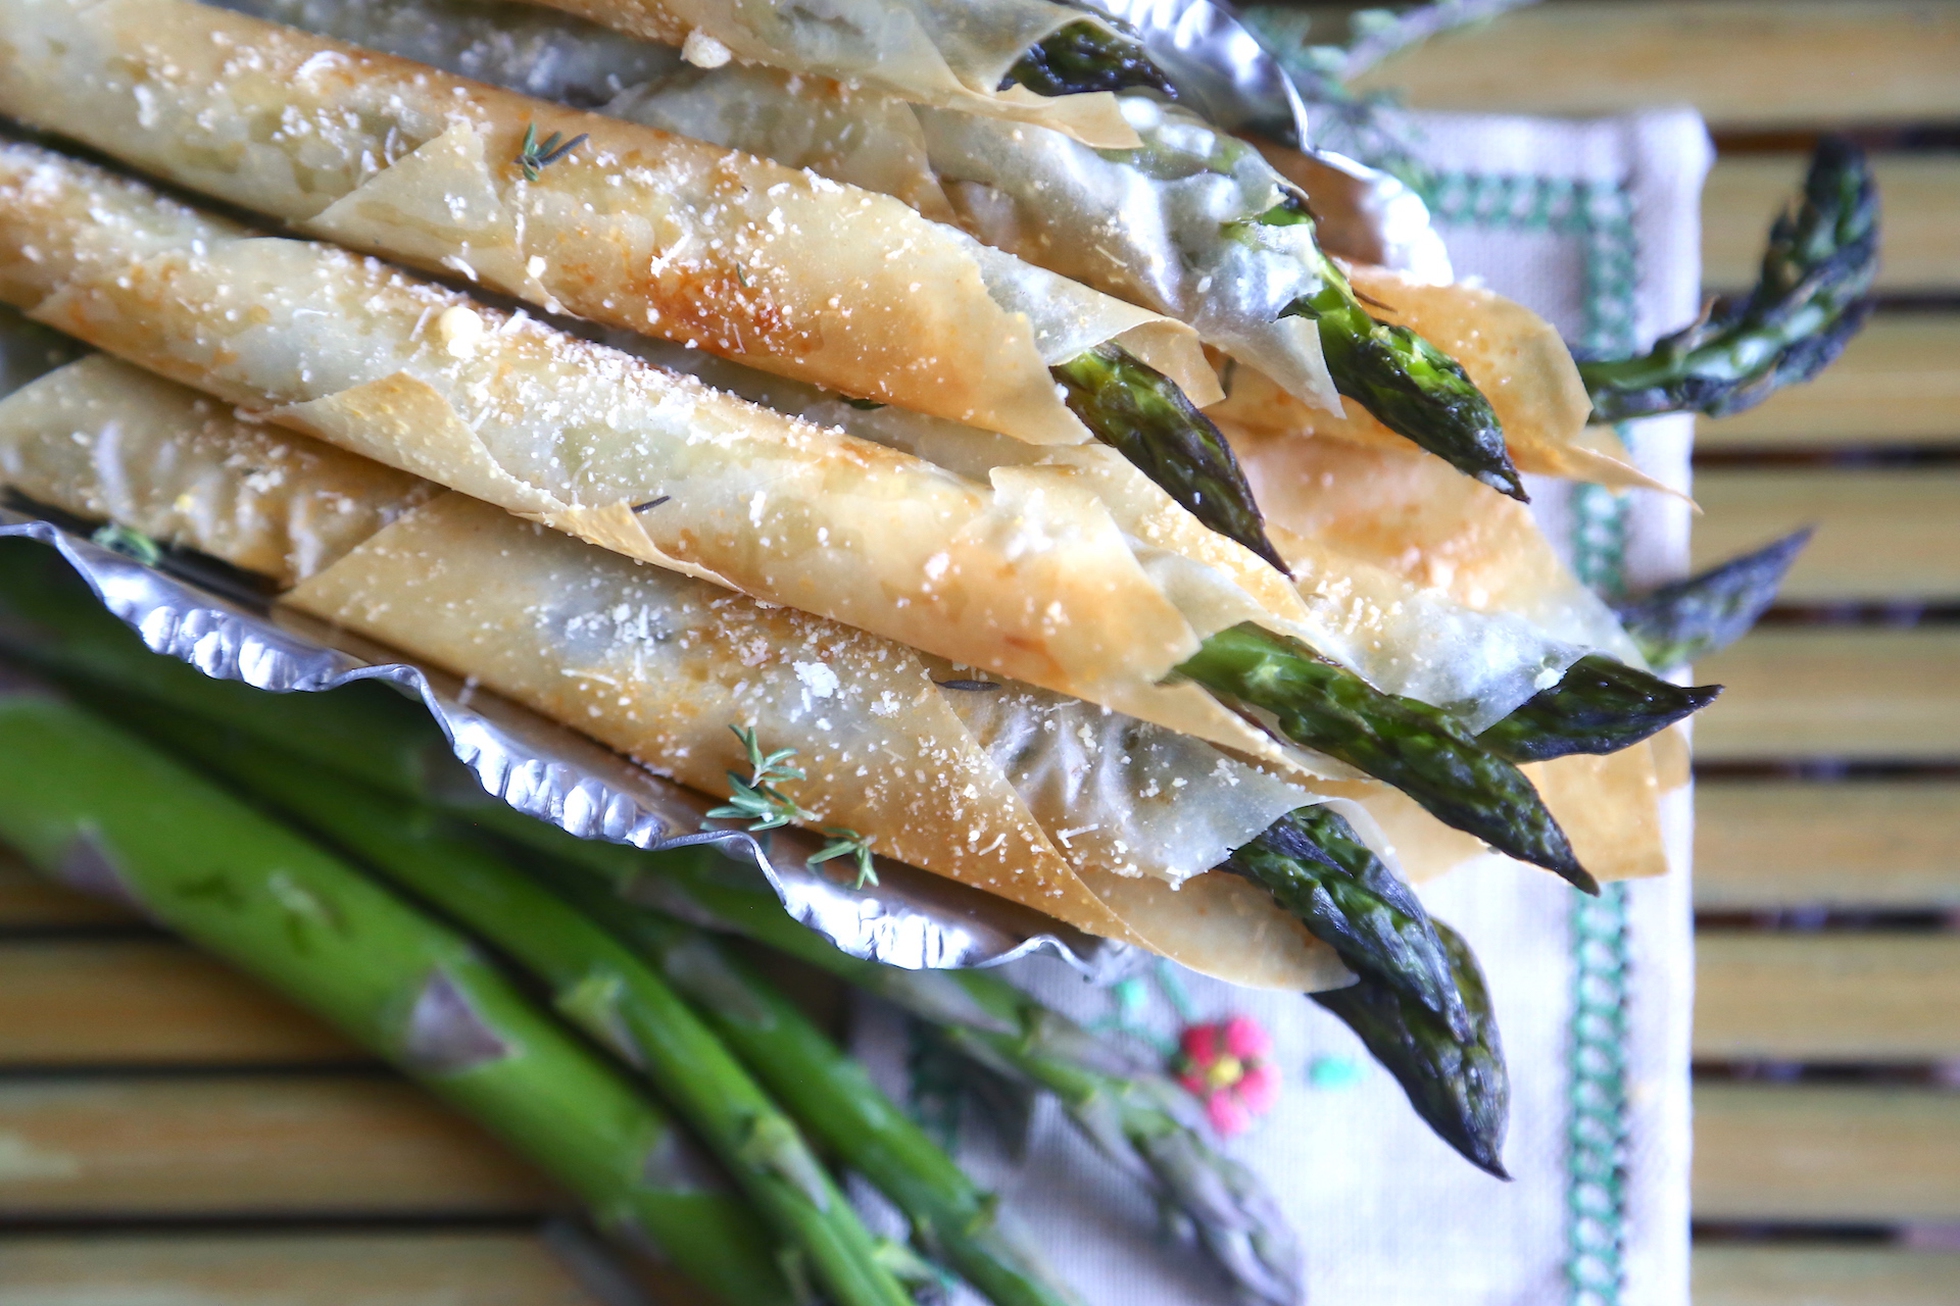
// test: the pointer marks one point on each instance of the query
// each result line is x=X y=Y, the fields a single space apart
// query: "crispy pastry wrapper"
x=952 y=53
x=636 y=228
x=1026 y=573
x=1405 y=512
x=659 y=665
x=1402 y=636
x=1516 y=358
x=1399 y=511
x=1170 y=225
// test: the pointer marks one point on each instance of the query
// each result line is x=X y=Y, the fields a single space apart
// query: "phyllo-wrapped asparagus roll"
x=612 y=221
x=1032 y=61
x=1187 y=224
x=1041 y=799
x=1029 y=574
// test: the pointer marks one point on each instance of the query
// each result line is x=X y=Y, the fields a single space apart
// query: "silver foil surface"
x=1220 y=68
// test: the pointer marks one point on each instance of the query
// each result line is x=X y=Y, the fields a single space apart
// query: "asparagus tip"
x=1506 y=481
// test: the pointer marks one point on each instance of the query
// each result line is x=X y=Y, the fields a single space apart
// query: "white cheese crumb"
x=704 y=51
x=459 y=328
x=819 y=679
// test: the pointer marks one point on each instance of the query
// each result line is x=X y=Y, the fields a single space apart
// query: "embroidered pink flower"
x=1228 y=1065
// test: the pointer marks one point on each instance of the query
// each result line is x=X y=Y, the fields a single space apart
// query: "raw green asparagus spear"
x=1677 y=623
x=1413 y=388
x=1599 y=706
x=1140 y=412
x=1135 y=1115
x=1086 y=57
x=95 y=808
x=1813 y=296
x=1457 y=1085
x=830 y=1094
x=1316 y=867
x=596 y=982
x=1421 y=750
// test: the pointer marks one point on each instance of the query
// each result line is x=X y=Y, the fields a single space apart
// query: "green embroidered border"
x=1601 y=215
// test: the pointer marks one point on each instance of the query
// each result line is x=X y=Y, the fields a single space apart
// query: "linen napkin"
x=1594 y=224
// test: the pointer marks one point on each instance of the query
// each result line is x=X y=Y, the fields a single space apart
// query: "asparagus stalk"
x=952 y=1219
x=1599 y=706
x=1812 y=297
x=1421 y=750
x=1137 y=1117
x=596 y=982
x=1413 y=388
x=1315 y=866
x=1140 y=412
x=1458 y=1085
x=1084 y=57
x=1675 y=624
x=97 y=809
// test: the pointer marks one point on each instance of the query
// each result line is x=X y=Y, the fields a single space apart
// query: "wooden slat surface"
x=1743 y=63
x=1895 y=384
x=146 y=1002
x=1858 y=693
x=1851 y=1154
x=1768 y=844
x=1919 y=194
x=1784 y=1275
x=411 y=1268
x=28 y=902
x=1824 y=997
x=248 y=1144
x=1887 y=534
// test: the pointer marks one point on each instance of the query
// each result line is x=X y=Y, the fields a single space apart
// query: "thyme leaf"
x=758 y=801
x=534 y=155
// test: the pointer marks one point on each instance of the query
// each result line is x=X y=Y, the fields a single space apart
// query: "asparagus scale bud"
x=99 y=810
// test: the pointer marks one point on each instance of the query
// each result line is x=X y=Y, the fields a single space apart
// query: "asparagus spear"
x=1086 y=57
x=596 y=982
x=1140 y=412
x=953 y=1220
x=1413 y=388
x=1421 y=750
x=1133 y=1114
x=1458 y=1085
x=1812 y=297
x=1675 y=624
x=94 y=807
x=1315 y=866
x=1599 y=706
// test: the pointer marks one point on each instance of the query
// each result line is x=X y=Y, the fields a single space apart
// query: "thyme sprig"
x=534 y=155
x=758 y=801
